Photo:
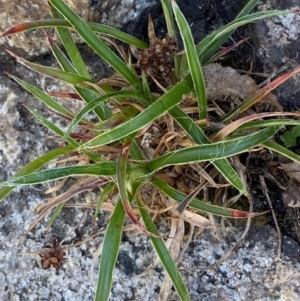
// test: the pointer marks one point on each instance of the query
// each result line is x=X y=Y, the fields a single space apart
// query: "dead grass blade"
x=165 y=140
x=174 y=249
x=260 y=94
x=204 y=179
x=181 y=208
x=237 y=244
x=57 y=186
x=67 y=95
x=44 y=209
x=235 y=124
x=226 y=50
x=241 y=171
x=188 y=216
x=265 y=191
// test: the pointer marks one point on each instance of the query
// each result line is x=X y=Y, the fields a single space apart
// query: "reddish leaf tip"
x=240 y=214
x=50 y=40
x=15 y=29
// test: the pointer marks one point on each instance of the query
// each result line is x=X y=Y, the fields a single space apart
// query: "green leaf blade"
x=159 y=107
x=193 y=61
x=34 y=165
x=211 y=43
x=71 y=48
x=62 y=23
x=43 y=97
x=97 y=169
x=281 y=150
x=198 y=136
x=91 y=105
x=202 y=206
x=164 y=256
x=95 y=43
x=110 y=250
x=210 y=152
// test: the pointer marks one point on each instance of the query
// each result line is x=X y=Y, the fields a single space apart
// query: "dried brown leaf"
x=291 y=195
x=292 y=170
x=234 y=125
x=188 y=216
x=177 y=240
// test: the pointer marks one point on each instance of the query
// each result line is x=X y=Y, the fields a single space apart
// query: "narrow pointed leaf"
x=211 y=43
x=224 y=51
x=164 y=256
x=110 y=250
x=42 y=96
x=244 y=12
x=202 y=206
x=94 y=42
x=95 y=102
x=209 y=152
x=67 y=77
x=97 y=169
x=71 y=48
x=168 y=14
x=208 y=53
x=192 y=59
x=197 y=135
x=34 y=165
x=247 y=8
x=159 y=107
x=238 y=123
x=61 y=200
x=167 y=9
x=55 y=214
x=122 y=116
x=260 y=94
x=87 y=95
x=281 y=150
x=52 y=127
x=122 y=185
x=267 y=123
x=100 y=28
x=104 y=194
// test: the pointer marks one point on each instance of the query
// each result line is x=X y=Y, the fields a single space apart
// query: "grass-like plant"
x=155 y=124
